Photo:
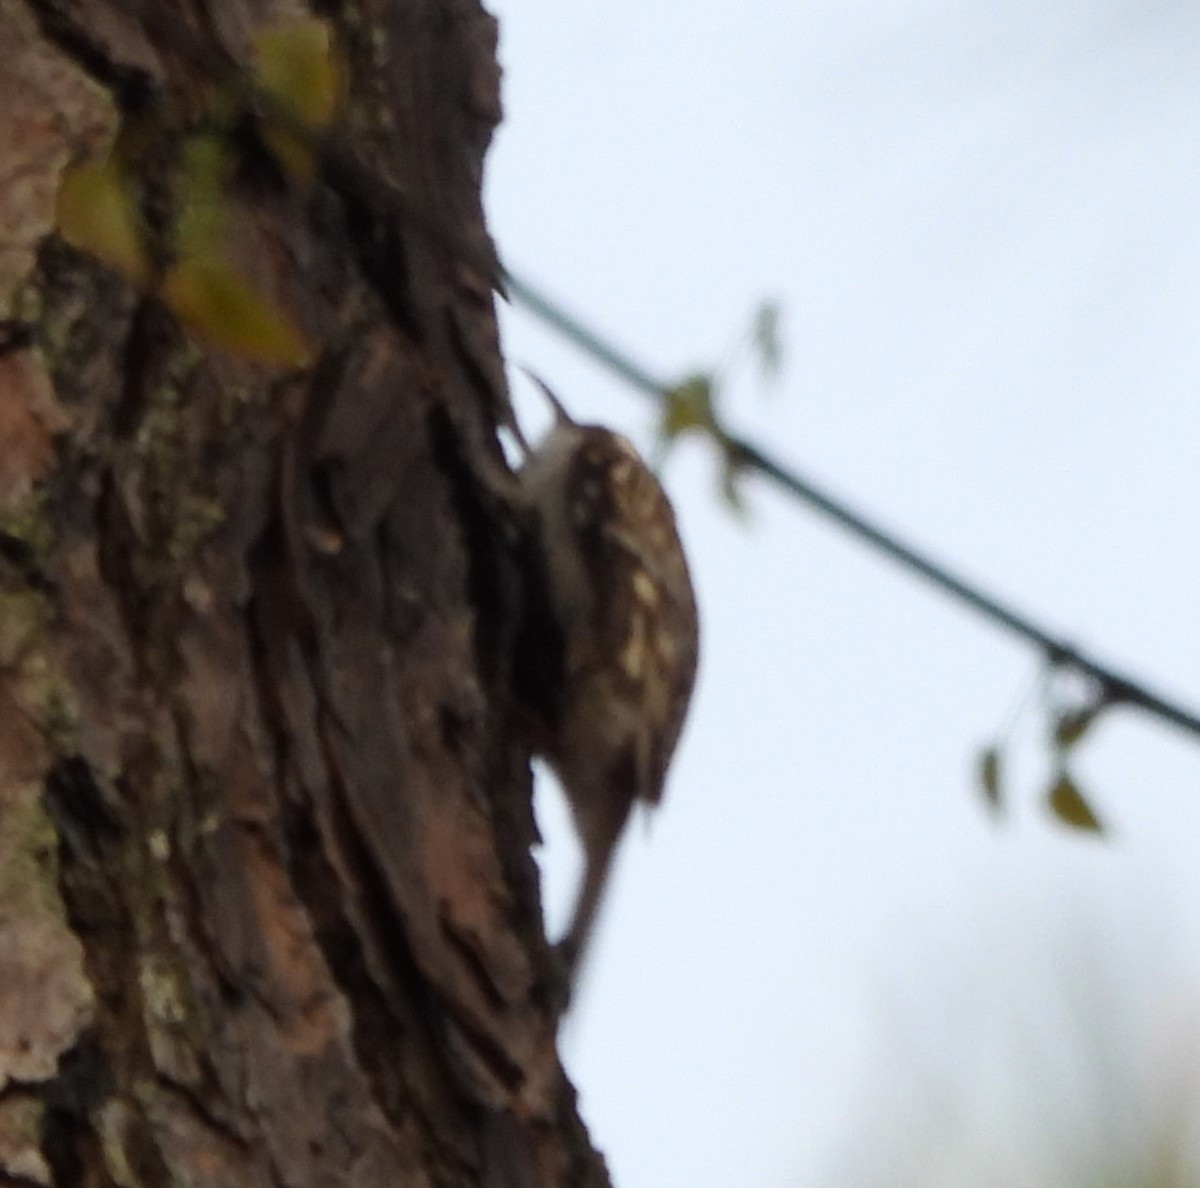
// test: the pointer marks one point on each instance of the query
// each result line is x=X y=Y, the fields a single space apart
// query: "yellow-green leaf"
x=292 y=153
x=1071 y=725
x=96 y=213
x=1067 y=803
x=209 y=297
x=688 y=406
x=206 y=168
x=989 y=777
x=299 y=68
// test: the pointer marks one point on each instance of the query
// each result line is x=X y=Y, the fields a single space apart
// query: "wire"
x=1114 y=687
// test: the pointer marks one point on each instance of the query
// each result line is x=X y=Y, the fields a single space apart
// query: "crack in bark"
x=132 y=88
x=69 y=1142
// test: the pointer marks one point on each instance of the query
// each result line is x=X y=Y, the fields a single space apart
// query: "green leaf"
x=207 y=165
x=989 y=778
x=1067 y=803
x=688 y=407
x=96 y=213
x=297 y=66
x=209 y=297
x=1071 y=725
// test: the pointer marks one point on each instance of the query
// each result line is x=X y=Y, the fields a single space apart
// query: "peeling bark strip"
x=267 y=910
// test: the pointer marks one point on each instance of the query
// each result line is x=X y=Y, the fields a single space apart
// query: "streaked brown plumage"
x=619 y=589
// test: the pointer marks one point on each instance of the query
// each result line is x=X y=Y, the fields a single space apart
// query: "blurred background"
x=825 y=961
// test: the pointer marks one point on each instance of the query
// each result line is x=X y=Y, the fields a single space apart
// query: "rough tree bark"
x=267 y=908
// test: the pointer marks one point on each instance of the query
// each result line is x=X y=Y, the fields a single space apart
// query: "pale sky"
x=822 y=964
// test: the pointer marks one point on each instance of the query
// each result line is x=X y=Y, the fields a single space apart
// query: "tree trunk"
x=267 y=908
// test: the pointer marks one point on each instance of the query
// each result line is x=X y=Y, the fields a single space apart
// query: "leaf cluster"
x=189 y=264
x=690 y=405
x=1066 y=726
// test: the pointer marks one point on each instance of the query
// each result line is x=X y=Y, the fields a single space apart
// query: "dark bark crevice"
x=132 y=88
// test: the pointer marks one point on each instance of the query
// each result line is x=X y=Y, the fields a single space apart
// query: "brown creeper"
x=617 y=585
